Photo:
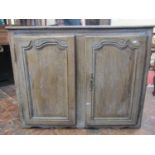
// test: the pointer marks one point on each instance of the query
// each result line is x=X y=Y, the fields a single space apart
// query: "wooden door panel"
x=48 y=75
x=48 y=69
x=109 y=78
x=114 y=74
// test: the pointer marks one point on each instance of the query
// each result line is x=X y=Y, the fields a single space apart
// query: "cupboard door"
x=115 y=68
x=46 y=70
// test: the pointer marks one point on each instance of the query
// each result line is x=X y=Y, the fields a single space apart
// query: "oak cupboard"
x=80 y=77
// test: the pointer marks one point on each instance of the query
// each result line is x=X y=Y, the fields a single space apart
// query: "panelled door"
x=114 y=73
x=46 y=71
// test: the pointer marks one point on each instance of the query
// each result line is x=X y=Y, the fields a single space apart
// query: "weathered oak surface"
x=81 y=77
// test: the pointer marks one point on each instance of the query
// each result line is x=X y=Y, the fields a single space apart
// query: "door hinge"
x=91 y=82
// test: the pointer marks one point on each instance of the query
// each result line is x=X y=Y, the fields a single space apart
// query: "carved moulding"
x=40 y=43
x=122 y=44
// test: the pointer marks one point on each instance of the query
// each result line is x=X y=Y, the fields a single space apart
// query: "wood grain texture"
x=48 y=72
x=80 y=80
x=103 y=76
x=116 y=66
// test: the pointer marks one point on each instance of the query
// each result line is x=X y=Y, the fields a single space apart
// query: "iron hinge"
x=91 y=82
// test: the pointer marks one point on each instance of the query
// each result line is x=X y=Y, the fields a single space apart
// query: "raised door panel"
x=47 y=79
x=114 y=74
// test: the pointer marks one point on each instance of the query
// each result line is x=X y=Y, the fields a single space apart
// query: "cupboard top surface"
x=76 y=27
